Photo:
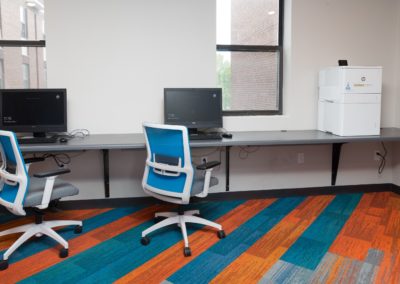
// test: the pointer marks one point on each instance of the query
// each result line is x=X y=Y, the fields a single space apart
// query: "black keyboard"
x=37 y=140
x=206 y=136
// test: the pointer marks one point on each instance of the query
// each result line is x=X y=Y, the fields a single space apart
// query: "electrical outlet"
x=300 y=158
x=377 y=156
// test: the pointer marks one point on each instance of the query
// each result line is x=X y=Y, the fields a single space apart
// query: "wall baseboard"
x=396 y=188
x=220 y=196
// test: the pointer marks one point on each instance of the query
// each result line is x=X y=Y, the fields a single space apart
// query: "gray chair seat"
x=36 y=187
x=198 y=184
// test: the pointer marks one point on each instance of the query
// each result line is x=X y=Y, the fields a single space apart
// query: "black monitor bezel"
x=34 y=128
x=219 y=124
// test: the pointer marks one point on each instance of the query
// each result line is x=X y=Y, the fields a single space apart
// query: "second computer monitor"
x=193 y=107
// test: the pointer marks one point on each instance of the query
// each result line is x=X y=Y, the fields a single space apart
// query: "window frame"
x=21 y=43
x=2 y=73
x=26 y=76
x=23 y=40
x=261 y=48
x=24 y=22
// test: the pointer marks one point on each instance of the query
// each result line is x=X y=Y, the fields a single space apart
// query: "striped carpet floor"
x=347 y=238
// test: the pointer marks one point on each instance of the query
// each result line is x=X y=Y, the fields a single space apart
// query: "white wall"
x=365 y=32
x=397 y=63
x=321 y=32
x=396 y=153
x=115 y=58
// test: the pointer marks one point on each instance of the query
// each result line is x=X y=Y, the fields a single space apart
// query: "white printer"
x=350 y=100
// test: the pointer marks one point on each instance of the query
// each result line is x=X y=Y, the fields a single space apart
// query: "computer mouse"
x=63 y=140
x=227 y=135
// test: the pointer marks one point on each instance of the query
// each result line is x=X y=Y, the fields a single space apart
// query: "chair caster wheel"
x=145 y=241
x=78 y=229
x=63 y=253
x=187 y=252
x=3 y=264
x=221 y=234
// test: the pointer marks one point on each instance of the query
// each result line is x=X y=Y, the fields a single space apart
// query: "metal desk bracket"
x=106 y=172
x=227 y=157
x=336 y=149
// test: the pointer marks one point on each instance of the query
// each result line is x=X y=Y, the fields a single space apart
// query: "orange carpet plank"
x=7 y=241
x=354 y=240
x=274 y=244
x=29 y=266
x=169 y=261
x=365 y=231
x=373 y=229
x=388 y=241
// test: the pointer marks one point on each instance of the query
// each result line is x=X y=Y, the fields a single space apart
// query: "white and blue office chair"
x=169 y=176
x=18 y=191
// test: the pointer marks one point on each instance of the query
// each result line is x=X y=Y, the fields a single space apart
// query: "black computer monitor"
x=193 y=107
x=33 y=110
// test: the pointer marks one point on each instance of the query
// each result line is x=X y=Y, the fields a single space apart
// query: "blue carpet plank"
x=116 y=257
x=34 y=246
x=207 y=265
x=311 y=247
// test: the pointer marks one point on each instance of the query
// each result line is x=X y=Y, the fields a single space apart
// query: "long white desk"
x=106 y=142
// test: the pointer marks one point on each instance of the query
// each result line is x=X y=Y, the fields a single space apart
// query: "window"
x=1 y=74
x=26 y=76
x=24 y=22
x=22 y=45
x=249 y=56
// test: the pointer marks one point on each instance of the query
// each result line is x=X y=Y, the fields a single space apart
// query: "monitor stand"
x=195 y=134
x=37 y=138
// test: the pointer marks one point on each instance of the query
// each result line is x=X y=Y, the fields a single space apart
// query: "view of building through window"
x=22 y=51
x=248 y=55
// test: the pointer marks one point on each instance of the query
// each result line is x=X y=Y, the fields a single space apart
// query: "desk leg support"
x=106 y=172
x=336 y=148
x=227 y=166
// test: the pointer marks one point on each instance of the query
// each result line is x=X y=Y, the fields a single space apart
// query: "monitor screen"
x=193 y=108
x=33 y=110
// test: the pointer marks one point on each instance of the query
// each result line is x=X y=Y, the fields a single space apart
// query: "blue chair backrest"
x=169 y=169
x=13 y=174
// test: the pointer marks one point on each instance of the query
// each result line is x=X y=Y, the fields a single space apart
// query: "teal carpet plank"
x=325 y=228
x=34 y=246
x=210 y=263
x=8 y=216
x=306 y=260
x=311 y=247
x=118 y=256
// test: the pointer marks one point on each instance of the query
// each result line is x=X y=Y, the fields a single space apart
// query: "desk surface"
x=251 y=138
